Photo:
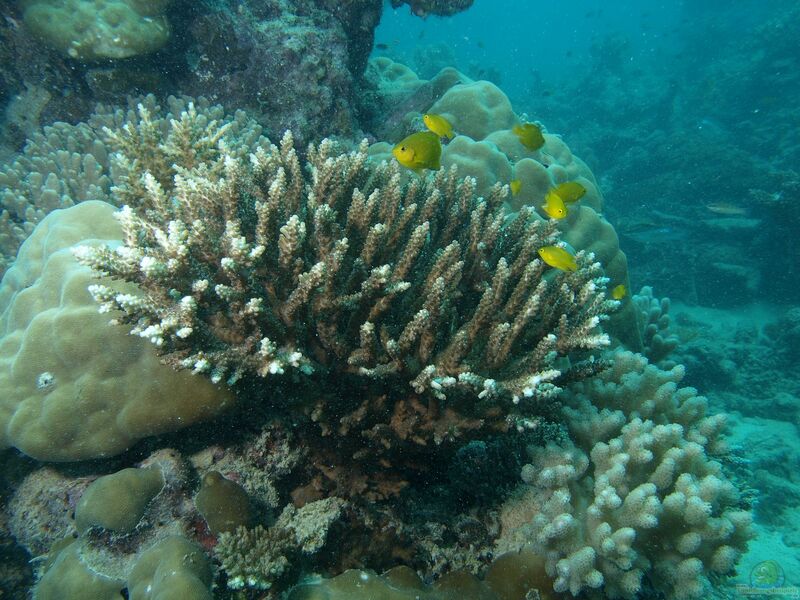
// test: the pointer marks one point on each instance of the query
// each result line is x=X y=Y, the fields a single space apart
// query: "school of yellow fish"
x=423 y=150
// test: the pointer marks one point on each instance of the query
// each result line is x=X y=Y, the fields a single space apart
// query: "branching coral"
x=253 y=270
x=638 y=492
x=258 y=557
x=659 y=342
x=66 y=164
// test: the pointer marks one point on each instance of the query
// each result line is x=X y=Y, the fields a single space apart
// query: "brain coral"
x=71 y=387
x=97 y=29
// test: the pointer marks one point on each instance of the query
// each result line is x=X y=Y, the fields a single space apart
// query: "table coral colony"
x=407 y=381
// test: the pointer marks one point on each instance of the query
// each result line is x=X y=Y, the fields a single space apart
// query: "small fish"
x=516 y=186
x=382 y=46
x=723 y=208
x=619 y=292
x=438 y=125
x=569 y=192
x=554 y=206
x=530 y=135
x=421 y=150
x=558 y=258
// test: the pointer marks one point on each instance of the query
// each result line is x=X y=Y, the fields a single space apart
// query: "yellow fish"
x=554 y=206
x=619 y=292
x=570 y=191
x=438 y=125
x=421 y=150
x=530 y=135
x=516 y=186
x=557 y=257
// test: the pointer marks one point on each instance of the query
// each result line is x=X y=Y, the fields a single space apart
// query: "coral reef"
x=66 y=164
x=257 y=558
x=640 y=468
x=397 y=349
x=658 y=340
x=72 y=388
x=487 y=149
x=423 y=8
x=90 y=30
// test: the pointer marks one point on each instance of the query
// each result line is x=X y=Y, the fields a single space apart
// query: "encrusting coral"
x=344 y=271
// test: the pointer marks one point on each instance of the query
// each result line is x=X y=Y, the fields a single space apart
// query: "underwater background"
x=406 y=299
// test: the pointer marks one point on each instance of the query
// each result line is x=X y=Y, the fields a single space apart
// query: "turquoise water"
x=315 y=364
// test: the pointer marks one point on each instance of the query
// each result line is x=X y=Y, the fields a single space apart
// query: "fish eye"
x=402 y=148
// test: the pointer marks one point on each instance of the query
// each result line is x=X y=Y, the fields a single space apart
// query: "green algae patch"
x=223 y=503
x=172 y=569
x=117 y=502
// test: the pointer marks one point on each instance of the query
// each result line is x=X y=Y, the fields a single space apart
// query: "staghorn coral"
x=66 y=164
x=344 y=271
x=635 y=492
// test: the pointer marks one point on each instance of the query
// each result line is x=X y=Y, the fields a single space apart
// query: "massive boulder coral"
x=99 y=29
x=72 y=388
x=635 y=493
